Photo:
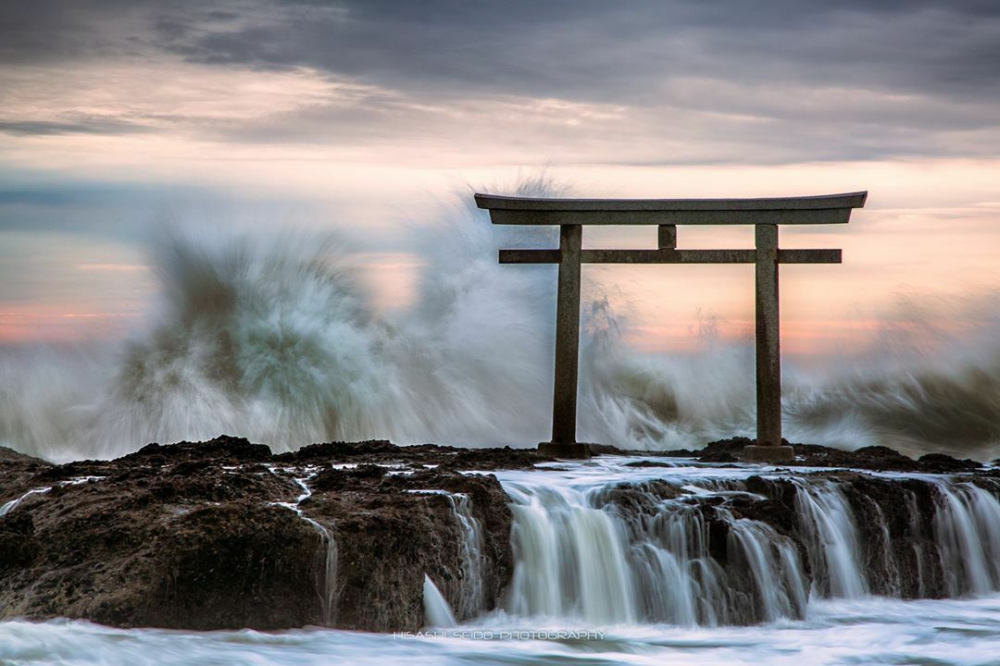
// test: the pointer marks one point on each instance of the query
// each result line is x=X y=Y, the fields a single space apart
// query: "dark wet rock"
x=9 y=456
x=718 y=457
x=940 y=463
x=200 y=535
x=404 y=529
x=897 y=522
x=640 y=498
x=385 y=453
x=734 y=445
x=18 y=545
x=650 y=463
x=724 y=451
x=192 y=535
x=890 y=537
x=678 y=453
x=226 y=448
x=241 y=564
x=490 y=459
x=776 y=509
x=346 y=451
x=869 y=457
x=363 y=476
x=878 y=458
x=881 y=458
x=611 y=450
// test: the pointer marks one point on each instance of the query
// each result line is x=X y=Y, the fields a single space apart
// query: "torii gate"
x=765 y=214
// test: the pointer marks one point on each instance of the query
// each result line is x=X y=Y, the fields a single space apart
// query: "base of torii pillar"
x=572 y=451
x=755 y=453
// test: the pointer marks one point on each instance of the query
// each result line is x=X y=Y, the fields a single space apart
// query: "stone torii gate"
x=570 y=215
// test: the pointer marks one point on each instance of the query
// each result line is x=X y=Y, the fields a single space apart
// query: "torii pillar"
x=765 y=214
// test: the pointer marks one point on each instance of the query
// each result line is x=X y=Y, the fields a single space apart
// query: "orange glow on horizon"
x=54 y=323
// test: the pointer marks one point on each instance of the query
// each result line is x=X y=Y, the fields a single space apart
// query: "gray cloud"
x=46 y=128
x=805 y=78
x=595 y=50
x=47 y=31
x=562 y=48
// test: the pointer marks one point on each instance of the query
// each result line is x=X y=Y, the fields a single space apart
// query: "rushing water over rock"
x=620 y=559
x=615 y=540
x=326 y=567
x=7 y=507
x=437 y=611
x=698 y=547
x=831 y=539
x=966 y=528
x=471 y=597
x=327 y=564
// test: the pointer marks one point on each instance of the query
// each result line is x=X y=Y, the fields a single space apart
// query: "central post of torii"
x=571 y=215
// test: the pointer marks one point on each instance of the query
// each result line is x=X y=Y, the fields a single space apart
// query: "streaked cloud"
x=644 y=82
x=116 y=115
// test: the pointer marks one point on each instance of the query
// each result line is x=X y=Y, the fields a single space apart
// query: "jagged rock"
x=777 y=509
x=940 y=463
x=192 y=536
x=383 y=452
x=223 y=534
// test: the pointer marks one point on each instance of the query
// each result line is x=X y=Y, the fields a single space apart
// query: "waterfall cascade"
x=471 y=593
x=437 y=610
x=745 y=549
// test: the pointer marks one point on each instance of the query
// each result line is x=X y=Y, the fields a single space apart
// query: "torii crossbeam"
x=765 y=214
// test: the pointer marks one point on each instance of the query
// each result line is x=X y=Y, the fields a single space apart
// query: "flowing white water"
x=570 y=559
x=14 y=503
x=913 y=513
x=778 y=581
x=437 y=611
x=967 y=520
x=652 y=565
x=604 y=543
x=471 y=593
x=579 y=553
x=9 y=506
x=841 y=633
x=832 y=540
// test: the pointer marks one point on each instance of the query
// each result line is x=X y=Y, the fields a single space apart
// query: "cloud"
x=641 y=82
x=46 y=128
x=599 y=51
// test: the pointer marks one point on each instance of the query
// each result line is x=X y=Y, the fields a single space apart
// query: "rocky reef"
x=226 y=534
x=223 y=534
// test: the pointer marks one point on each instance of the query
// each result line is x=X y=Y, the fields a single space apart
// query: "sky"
x=117 y=116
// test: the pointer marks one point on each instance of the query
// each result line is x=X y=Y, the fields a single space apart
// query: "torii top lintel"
x=826 y=209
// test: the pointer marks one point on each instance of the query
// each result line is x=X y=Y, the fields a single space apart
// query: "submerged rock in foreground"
x=223 y=534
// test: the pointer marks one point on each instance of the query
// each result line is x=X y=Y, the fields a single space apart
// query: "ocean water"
x=868 y=631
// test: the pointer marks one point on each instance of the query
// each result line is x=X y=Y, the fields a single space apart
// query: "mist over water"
x=929 y=381
x=271 y=336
